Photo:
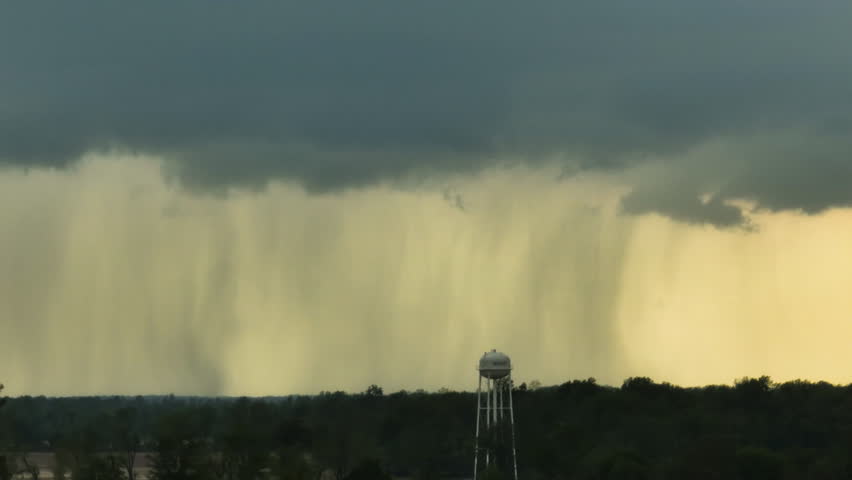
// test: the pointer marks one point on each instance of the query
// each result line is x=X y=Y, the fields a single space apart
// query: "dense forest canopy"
x=578 y=430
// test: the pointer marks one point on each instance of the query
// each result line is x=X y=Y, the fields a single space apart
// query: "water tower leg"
x=512 y=423
x=500 y=410
x=478 y=414
x=494 y=410
x=488 y=407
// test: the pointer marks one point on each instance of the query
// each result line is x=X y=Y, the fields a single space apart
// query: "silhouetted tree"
x=61 y=464
x=374 y=391
x=579 y=429
x=369 y=469
x=246 y=440
x=291 y=464
x=493 y=473
x=182 y=448
x=126 y=438
x=6 y=470
x=106 y=467
x=30 y=467
x=759 y=463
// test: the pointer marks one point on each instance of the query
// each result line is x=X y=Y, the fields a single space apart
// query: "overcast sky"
x=717 y=120
x=337 y=95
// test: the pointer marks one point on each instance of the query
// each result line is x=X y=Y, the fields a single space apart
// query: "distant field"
x=45 y=462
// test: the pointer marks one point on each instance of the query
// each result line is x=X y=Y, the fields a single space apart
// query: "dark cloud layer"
x=340 y=94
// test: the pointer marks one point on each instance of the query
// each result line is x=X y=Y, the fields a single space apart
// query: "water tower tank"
x=494 y=365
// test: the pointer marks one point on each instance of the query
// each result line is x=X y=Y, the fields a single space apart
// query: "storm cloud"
x=699 y=106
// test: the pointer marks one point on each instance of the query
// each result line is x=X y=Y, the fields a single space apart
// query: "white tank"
x=494 y=364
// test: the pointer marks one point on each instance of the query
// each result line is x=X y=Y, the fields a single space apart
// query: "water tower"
x=495 y=418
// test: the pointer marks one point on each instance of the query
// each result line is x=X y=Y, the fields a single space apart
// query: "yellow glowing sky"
x=116 y=281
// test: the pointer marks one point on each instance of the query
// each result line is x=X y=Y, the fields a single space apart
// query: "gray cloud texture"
x=341 y=94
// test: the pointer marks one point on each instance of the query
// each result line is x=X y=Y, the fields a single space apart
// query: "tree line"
x=754 y=429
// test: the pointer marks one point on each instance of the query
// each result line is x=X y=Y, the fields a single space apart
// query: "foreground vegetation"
x=577 y=430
